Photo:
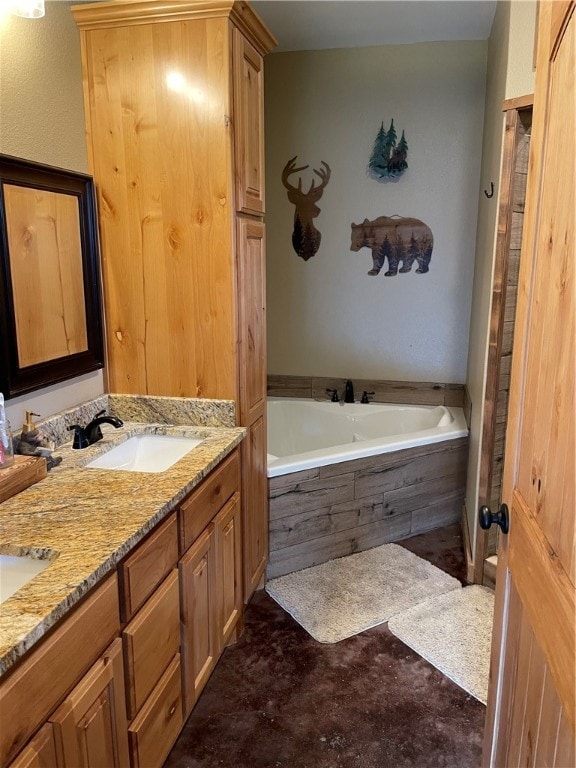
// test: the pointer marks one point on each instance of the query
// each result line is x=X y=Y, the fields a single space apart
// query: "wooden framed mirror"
x=50 y=304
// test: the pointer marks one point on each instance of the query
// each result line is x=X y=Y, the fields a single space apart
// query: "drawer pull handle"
x=172 y=710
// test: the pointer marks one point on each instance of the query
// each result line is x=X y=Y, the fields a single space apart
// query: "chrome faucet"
x=91 y=433
x=349 y=392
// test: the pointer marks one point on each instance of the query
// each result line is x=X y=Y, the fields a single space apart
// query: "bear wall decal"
x=401 y=240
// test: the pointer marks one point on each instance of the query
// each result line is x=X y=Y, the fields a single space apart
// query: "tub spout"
x=349 y=392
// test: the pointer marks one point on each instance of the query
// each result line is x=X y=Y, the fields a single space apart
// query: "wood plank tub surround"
x=327 y=512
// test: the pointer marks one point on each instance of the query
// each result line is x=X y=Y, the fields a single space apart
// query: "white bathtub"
x=305 y=433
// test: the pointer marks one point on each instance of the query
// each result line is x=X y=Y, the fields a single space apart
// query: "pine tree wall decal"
x=388 y=159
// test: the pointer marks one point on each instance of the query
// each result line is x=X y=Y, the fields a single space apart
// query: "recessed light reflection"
x=178 y=83
x=175 y=81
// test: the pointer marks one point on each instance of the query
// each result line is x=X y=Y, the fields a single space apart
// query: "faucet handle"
x=334 y=393
x=80 y=436
x=365 y=399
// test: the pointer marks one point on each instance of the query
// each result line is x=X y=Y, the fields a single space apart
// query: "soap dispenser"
x=29 y=425
x=33 y=442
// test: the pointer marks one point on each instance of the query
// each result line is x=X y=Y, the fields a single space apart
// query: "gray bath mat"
x=448 y=630
x=343 y=597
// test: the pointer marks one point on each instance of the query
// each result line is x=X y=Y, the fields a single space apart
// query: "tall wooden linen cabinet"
x=173 y=96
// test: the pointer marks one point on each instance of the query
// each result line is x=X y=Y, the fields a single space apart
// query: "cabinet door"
x=229 y=580
x=90 y=726
x=40 y=752
x=251 y=270
x=252 y=375
x=248 y=126
x=198 y=616
x=254 y=507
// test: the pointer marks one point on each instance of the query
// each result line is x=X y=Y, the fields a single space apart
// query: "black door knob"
x=502 y=518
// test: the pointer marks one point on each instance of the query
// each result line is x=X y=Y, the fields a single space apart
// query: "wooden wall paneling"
x=340 y=544
x=333 y=511
x=406 y=392
x=385 y=461
x=289 y=386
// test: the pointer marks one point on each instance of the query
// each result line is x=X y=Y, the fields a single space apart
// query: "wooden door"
x=90 y=726
x=198 y=616
x=531 y=703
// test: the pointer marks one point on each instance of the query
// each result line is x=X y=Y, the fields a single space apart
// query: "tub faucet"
x=349 y=392
x=333 y=395
x=91 y=433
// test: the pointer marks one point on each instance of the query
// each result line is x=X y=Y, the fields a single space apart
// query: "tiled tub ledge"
x=93 y=517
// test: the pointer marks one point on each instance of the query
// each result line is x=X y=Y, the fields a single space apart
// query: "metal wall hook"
x=491 y=190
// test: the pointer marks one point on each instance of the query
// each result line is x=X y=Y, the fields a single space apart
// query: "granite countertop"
x=86 y=520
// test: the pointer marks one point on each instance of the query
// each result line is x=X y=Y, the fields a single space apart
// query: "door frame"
x=512 y=109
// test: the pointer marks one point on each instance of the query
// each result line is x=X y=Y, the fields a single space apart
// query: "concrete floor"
x=279 y=699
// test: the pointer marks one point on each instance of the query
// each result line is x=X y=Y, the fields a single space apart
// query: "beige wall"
x=326 y=316
x=42 y=119
x=510 y=74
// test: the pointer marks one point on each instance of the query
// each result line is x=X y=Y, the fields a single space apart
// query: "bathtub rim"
x=338 y=454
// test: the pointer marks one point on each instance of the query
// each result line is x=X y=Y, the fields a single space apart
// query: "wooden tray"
x=25 y=471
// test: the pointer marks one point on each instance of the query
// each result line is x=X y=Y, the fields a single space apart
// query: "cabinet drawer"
x=150 y=641
x=144 y=569
x=201 y=506
x=37 y=685
x=156 y=728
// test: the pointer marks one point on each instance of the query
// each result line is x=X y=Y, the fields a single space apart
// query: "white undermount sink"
x=16 y=571
x=146 y=453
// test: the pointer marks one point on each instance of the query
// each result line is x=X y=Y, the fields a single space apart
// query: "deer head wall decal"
x=305 y=237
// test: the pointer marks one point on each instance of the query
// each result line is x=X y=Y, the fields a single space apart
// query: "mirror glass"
x=50 y=281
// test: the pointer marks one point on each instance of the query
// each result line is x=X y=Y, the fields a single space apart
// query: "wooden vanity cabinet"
x=38 y=684
x=174 y=118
